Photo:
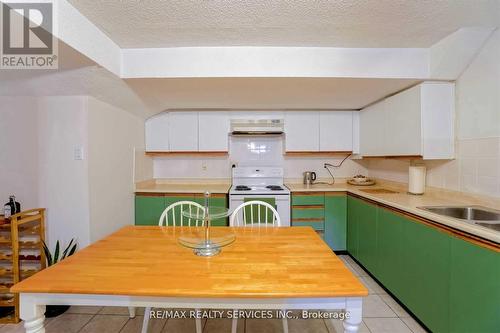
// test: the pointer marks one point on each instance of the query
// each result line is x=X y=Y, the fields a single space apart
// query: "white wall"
x=63 y=181
x=113 y=135
x=85 y=199
x=18 y=151
x=477 y=165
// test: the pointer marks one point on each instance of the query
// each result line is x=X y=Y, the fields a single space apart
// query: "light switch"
x=78 y=153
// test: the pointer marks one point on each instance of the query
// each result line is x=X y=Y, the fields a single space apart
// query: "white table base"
x=33 y=305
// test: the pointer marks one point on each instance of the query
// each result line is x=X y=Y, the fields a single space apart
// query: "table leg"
x=32 y=314
x=354 y=308
x=131 y=311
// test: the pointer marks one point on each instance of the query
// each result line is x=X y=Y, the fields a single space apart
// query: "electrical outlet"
x=78 y=153
x=204 y=166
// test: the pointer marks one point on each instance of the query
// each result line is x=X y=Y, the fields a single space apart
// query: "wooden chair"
x=259 y=214
x=170 y=214
x=255 y=214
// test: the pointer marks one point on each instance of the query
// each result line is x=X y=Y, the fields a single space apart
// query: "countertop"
x=400 y=200
x=407 y=202
x=183 y=186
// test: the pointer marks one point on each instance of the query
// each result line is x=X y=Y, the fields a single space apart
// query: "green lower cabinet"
x=426 y=274
x=335 y=221
x=474 y=288
x=148 y=209
x=367 y=235
x=353 y=205
x=450 y=284
x=390 y=251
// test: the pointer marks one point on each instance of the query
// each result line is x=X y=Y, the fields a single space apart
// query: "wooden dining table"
x=140 y=266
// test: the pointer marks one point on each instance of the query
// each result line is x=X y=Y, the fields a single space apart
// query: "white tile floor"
x=381 y=314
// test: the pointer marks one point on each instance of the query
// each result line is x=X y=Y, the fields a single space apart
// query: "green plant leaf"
x=56 y=253
x=73 y=249
x=48 y=256
x=67 y=249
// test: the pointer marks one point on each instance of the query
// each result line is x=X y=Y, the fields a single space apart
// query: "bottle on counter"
x=12 y=207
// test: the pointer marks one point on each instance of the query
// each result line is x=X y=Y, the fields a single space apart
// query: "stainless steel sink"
x=476 y=213
x=494 y=226
x=482 y=216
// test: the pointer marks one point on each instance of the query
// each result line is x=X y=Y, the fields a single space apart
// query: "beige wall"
x=113 y=135
x=85 y=199
x=63 y=181
x=18 y=151
x=477 y=164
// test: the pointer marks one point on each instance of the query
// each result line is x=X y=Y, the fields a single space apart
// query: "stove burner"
x=275 y=187
x=242 y=188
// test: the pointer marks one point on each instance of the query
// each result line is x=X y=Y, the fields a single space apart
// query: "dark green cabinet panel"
x=308 y=199
x=426 y=274
x=353 y=206
x=474 y=288
x=148 y=209
x=389 y=251
x=316 y=225
x=336 y=221
x=308 y=213
x=450 y=284
x=367 y=235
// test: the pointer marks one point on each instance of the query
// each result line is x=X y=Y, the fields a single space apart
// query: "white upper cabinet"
x=372 y=129
x=156 y=132
x=355 y=132
x=403 y=135
x=335 y=131
x=302 y=131
x=213 y=131
x=183 y=133
x=416 y=122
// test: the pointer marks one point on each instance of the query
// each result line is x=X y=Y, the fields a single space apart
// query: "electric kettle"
x=309 y=177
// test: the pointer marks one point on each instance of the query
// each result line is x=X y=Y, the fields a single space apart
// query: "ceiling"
x=340 y=23
x=264 y=93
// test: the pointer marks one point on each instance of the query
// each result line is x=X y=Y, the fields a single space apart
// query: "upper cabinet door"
x=156 y=132
x=183 y=133
x=213 y=131
x=416 y=122
x=403 y=135
x=355 y=132
x=302 y=131
x=335 y=131
x=372 y=128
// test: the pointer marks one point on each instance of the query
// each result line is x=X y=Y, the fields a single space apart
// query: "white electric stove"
x=260 y=182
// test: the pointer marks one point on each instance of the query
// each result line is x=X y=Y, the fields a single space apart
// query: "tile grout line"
x=369 y=330
x=81 y=328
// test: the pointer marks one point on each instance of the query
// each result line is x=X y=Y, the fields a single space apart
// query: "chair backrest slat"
x=179 y=206
x=241 y=210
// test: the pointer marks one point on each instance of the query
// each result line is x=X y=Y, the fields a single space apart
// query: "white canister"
x=416 y=179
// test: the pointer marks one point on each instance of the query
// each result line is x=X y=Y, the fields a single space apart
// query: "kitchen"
x=374 y=147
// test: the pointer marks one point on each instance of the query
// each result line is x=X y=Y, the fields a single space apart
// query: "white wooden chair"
x=265 y=213
x=240 y=218
x=169 y=215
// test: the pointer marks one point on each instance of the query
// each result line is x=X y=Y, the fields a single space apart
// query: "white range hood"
x=257 y=126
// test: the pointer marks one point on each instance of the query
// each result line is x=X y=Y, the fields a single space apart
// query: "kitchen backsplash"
x=476 y=168
x=251 y=151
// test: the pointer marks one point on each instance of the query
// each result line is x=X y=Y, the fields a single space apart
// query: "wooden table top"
x=149 y=261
